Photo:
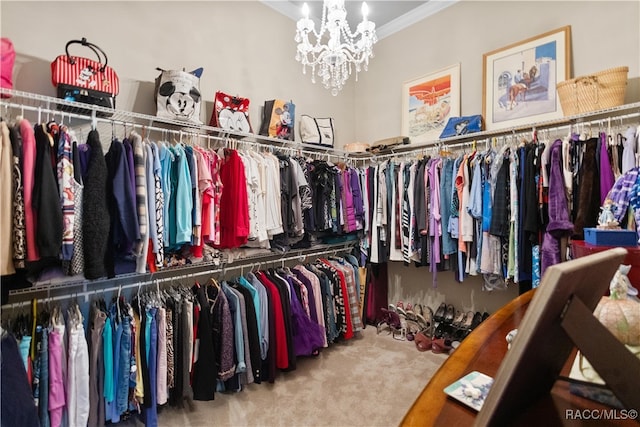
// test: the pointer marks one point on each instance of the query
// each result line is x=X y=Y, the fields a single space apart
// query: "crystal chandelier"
x=343 y=49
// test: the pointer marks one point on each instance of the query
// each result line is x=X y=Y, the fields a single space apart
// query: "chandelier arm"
x=321 y=33
x=346 y=31
x=352 y=39
x=346 y=51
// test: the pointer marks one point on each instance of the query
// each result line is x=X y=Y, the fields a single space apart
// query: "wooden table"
x=483 y=351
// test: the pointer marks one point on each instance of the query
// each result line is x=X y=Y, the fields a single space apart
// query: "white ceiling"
x=389 y=16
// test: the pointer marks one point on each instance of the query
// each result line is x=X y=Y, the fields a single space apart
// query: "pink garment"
x=56 y=378
x=426 y=191
x=7 y=60
x=28 y=168
x=459 y=181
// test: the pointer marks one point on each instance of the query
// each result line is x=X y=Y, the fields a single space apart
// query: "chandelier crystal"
x=343 y=51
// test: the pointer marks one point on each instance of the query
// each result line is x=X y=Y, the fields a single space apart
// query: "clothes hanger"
x=444 y=151
x=139 y=299
x=213 y=282
x=119 y=315
x=5 y=117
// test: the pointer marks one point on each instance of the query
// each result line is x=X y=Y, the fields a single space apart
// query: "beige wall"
x=246 y=48
x=415 y=285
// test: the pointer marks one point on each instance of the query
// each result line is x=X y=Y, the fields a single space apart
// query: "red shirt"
x=234 y=203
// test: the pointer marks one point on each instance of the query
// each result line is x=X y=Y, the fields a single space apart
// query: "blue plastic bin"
x=596 y=236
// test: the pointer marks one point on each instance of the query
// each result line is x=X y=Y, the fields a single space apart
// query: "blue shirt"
x=263 y=319
x=183 y=198
x=475 y=193
x=256 y=304
x=234 y=307
x=486 y=205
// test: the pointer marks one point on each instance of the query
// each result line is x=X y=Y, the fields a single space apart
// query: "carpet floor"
x=371 y=380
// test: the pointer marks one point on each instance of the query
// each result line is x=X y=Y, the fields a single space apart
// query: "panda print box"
x=178 y=95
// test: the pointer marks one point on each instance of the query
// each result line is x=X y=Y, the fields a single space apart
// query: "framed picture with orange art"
x=428 y=102
x=519 y=81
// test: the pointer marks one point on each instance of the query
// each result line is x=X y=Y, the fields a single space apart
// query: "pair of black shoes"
x=445 y=318
x=445 y=313
x=456 y=326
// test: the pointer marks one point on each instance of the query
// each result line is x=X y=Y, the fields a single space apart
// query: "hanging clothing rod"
x=45 y=110
x=50 y=103
x=587 y=119
x=223 y=269
x=486 y=137
x=189 y=133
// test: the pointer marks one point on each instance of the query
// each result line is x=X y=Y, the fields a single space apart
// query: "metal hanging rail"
x=26 y=101
x=86 y=288
x=602 y=117
x=181 y=134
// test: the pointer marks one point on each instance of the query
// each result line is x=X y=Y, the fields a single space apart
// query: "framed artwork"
x=519 y=80
x=428 y=102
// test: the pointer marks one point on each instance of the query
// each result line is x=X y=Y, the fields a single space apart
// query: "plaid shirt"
x=622 y=193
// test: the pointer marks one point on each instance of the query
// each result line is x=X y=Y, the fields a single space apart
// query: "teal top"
x=183 y=219
x=256 y=303
x=107 y=348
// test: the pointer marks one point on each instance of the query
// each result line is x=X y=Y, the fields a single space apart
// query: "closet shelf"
x=627 y=111
x=71 y=109
x=65 y=287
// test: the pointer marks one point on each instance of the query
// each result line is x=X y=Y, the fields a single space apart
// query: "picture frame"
x=428 y=102
x=559 y=318
x=519 y=81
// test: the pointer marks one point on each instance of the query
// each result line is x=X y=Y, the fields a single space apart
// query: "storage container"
x=602 y=237
x=598 y=91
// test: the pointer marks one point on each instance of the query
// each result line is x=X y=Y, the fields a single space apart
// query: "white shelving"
x=600 y=117
x=68 y=110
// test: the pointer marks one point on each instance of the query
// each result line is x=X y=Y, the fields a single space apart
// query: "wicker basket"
x=604 y=89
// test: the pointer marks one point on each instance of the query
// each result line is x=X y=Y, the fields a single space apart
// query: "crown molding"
x=286 y=8
x=415 y=15
x=421 y=12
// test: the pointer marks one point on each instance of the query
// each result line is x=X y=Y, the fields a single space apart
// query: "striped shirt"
x=141 y=187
